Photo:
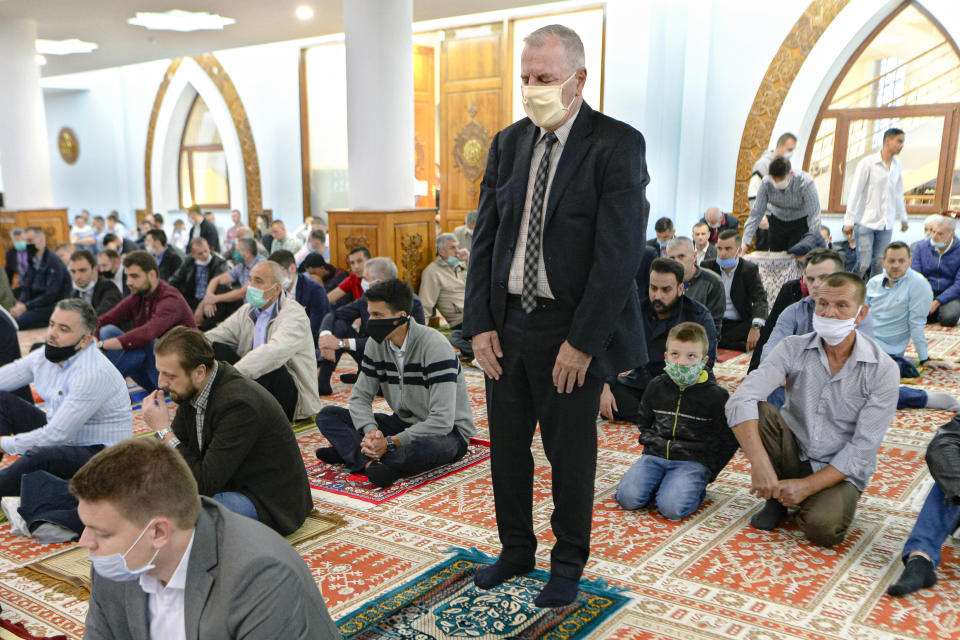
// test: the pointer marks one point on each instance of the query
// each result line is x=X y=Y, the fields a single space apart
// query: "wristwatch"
x=161 y=433
x=757 y=324
x=390 y=444
x=100 y=344
x=341 y=345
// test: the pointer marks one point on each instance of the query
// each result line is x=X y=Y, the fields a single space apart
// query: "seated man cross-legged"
x=421 y=379
x=268 y=339
x=231 y=432
x=819 y=452
x=86 y=401
x=170 y=564
x=684 y=433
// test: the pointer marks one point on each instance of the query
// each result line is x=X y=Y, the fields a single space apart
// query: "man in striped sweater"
x=416 y=370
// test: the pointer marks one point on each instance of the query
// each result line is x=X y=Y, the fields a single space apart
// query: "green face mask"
x=254 y=297
x=683 y=375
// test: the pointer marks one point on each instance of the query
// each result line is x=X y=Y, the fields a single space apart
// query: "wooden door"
x=474 y=105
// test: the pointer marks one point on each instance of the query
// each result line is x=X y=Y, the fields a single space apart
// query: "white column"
x=24 y=148
x=379 y=45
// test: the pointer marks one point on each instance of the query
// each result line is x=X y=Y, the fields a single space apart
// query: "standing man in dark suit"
x=100 y=293
x=746 y=310
x=202 y=228
x=551 y=301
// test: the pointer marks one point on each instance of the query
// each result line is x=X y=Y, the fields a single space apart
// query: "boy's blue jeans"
x=678 y=486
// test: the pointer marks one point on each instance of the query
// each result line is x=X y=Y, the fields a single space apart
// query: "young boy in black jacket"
x=683 y=430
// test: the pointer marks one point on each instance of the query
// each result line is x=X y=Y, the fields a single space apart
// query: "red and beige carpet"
x=709 y=576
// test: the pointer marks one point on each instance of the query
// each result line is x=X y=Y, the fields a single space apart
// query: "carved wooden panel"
x=773 y=91
x=472 y=110
x=412 y=241
x=52 y=221
x=350 y=236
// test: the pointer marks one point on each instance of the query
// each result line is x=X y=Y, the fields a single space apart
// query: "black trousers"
x=628 y=403
x=523 y=396
x=733 y=334
x=278 y=382
x=784 y=234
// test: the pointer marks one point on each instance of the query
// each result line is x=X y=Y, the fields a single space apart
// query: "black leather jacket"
x=943 y=459
x=688 y=424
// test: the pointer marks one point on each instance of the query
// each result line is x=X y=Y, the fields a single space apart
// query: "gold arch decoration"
x=251 y=164
x=773 y=91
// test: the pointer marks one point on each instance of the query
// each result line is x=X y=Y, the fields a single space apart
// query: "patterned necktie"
x=531 y=260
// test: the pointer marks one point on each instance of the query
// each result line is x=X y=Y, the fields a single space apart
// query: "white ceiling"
x=258 y=22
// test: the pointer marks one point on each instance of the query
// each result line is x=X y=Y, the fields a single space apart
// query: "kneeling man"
x=819 y=452
x=420 y=377
x=170 y=564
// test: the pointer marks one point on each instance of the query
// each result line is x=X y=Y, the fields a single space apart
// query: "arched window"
x=203 y=165
x=905 y=75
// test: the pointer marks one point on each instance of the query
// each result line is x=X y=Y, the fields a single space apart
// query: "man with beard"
x=664 y=308
x=232 y=433
x=88 y=285
x=153 y=307
x=86 y=408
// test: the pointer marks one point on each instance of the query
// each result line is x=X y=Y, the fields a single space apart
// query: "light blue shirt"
x=86 y=400
x=261 y=320
x=241 y=272
x=797 y=319
x=900 y=312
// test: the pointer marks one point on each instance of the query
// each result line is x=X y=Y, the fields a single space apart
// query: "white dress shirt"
x=167 y=621
x=876 y=194
x=515 y=281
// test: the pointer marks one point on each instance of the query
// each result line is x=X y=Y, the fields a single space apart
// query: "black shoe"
x=348 y=378
x=382 y=475
x=329 y=455
x=918 y=573
x=770 y=516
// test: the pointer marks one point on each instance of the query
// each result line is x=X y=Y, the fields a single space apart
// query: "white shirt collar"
x=178 y=580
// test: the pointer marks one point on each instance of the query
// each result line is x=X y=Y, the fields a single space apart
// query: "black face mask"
x=59 y=354
x=107 y=274
x=380 y=328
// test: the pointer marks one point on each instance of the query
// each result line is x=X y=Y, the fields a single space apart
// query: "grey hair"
x=88 y=316
x=444 y=239
x=249 y=244
x=572 y=45
x=472 y=217
x=948 y=220
x=933 y=218
x=278 y=273
x=381 y=269
x=682 y=242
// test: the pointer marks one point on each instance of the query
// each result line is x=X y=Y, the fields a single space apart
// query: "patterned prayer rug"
x=443 y=602
x=336 y=479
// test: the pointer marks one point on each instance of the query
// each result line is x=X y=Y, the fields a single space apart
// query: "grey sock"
x=942 y=400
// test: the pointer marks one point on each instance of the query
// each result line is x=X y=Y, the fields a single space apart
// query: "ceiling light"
x=304 y=13
x=177 y=20
x=64 y=47
x=41 y=60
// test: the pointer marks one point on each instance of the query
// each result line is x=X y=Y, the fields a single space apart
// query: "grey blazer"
x=243 y=581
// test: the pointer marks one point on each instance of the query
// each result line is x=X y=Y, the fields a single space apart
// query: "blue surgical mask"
x=727 y=263
x=114 y=567
x=20 y=245
x=453 y=261
x=663 y=245
x=937 y=245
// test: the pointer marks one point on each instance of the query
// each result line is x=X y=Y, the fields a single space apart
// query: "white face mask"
x=788 y=155
x=543 y=104
x=204 y=263
x=835 y=330
x=364 y=284
x=782 y=184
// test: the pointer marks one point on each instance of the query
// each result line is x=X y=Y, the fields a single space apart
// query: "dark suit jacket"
x=248 y=446
x=789 y=293
x=243 y=581
x=128 y=246
x=169 y=265
x=10 y=263
x=747 y=292
x=345 y=315
x=44 y=285
x=313 y=298
x=594 y=227
x=654 y=244
x=185 y=279
x=208 y=232
x=105 y=295
x=643 y=273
